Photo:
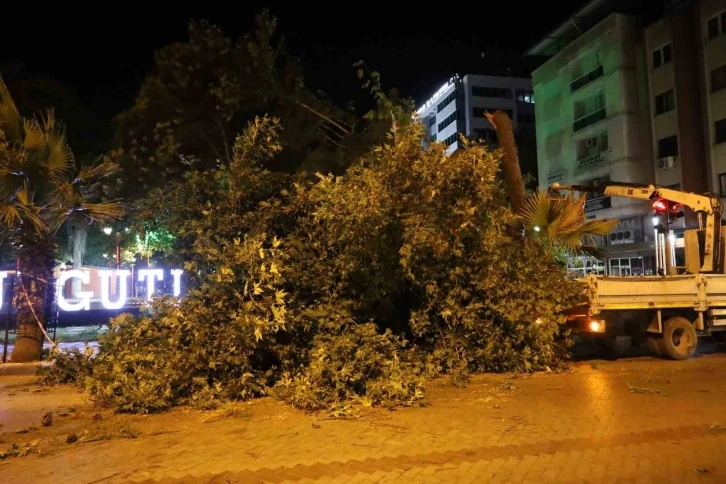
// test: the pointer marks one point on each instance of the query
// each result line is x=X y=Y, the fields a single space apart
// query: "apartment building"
x=459 y=106
x=632 y=98
x=711 y=15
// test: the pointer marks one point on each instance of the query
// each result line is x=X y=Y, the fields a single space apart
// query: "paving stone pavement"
x=631 y=420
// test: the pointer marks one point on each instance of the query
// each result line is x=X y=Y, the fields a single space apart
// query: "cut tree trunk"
x=511 y=169
x=29 y=341
x=80 y=236
x=35 y=267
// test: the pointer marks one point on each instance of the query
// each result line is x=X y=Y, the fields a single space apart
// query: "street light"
x=108 y=231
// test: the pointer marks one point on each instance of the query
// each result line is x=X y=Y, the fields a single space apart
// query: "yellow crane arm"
x=708 y=204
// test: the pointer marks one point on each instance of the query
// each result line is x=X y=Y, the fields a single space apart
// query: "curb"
x=21 y=369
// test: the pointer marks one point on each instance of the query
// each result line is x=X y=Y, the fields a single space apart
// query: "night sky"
x=103 y=56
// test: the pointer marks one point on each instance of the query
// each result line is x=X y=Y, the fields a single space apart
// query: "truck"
x=670 y=310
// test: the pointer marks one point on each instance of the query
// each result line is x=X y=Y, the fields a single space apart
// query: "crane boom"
x=708 y=204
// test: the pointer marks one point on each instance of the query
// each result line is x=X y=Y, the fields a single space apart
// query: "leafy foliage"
x=340 y=290
x=200 y=95
x=68 y=366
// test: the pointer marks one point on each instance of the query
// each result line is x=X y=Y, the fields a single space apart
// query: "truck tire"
x=679 y=339
x=655 y=345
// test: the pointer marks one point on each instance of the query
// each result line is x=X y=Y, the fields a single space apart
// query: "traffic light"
x=662 y=206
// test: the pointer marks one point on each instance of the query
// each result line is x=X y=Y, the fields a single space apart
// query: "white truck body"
x=700 y=292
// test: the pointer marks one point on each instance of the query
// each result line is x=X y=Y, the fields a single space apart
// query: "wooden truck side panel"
x=695 y=291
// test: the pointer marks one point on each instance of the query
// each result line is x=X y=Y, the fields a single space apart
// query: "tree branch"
x=321 y=115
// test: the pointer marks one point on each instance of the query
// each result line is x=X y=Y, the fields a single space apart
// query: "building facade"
x=712 y=18
x=459 y=106
x=631 y=100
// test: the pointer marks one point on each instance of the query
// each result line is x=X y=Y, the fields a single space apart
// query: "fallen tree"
x=344 y=290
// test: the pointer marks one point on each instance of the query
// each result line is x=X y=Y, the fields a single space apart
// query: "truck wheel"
x=679 y=339
x=655 y=345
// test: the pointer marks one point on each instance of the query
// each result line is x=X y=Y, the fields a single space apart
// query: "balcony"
x=588 y=120
x=586 y=79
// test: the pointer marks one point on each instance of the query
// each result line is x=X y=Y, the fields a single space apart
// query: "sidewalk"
x=633 y=420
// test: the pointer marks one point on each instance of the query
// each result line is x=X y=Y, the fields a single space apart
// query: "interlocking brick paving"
x=632 y=420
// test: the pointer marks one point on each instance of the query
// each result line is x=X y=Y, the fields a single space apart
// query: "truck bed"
x=697 y=291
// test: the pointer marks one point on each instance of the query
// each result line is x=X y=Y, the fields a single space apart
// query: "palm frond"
x=59 y=161
x=99 y=212
x=9 y=215
x=560 y=222
x=34 y=137
x=99 y=170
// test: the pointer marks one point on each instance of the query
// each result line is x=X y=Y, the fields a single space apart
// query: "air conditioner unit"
x=666 y=163
x=623 y=236
x=591 y=142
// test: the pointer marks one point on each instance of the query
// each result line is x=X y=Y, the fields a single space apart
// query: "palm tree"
x=559 y=222
x=41 y=189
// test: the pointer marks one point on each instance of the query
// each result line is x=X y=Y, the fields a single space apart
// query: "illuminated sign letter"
x=3 y=275
x=105 y=289
x=150 y=275
x=85 y=296
x=177 y=281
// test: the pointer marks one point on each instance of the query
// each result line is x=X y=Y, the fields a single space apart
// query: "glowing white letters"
x=176 y=273
x=149 y=275
x=82 y=299
x=105 y=283
x=3 y=275
x=438 y=94
x=85 y=296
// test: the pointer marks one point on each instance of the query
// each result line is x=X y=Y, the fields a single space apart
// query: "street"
x=636 y=419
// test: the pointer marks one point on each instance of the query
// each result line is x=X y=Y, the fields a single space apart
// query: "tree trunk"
x=511 y=170
x=35 y=265
x=80 y=236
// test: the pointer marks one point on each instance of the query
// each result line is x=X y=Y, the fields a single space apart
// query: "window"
x=720 y=130
x=592 y=145
x=432 y=121
x=433 y=137
x=526 y=97
x=447 y=100
x=447 y=121
x=715 y=25
x=668 y=146
x=665 y=102
x=451 y=139
x=491 y=92
x=722 y=184
x=479 y=112
x=488 y=135
x=718 y=78
x=661 y=56
x=589 y=111
x=586 y=79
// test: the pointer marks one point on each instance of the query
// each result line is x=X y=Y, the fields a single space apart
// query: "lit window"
x=525 y=97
